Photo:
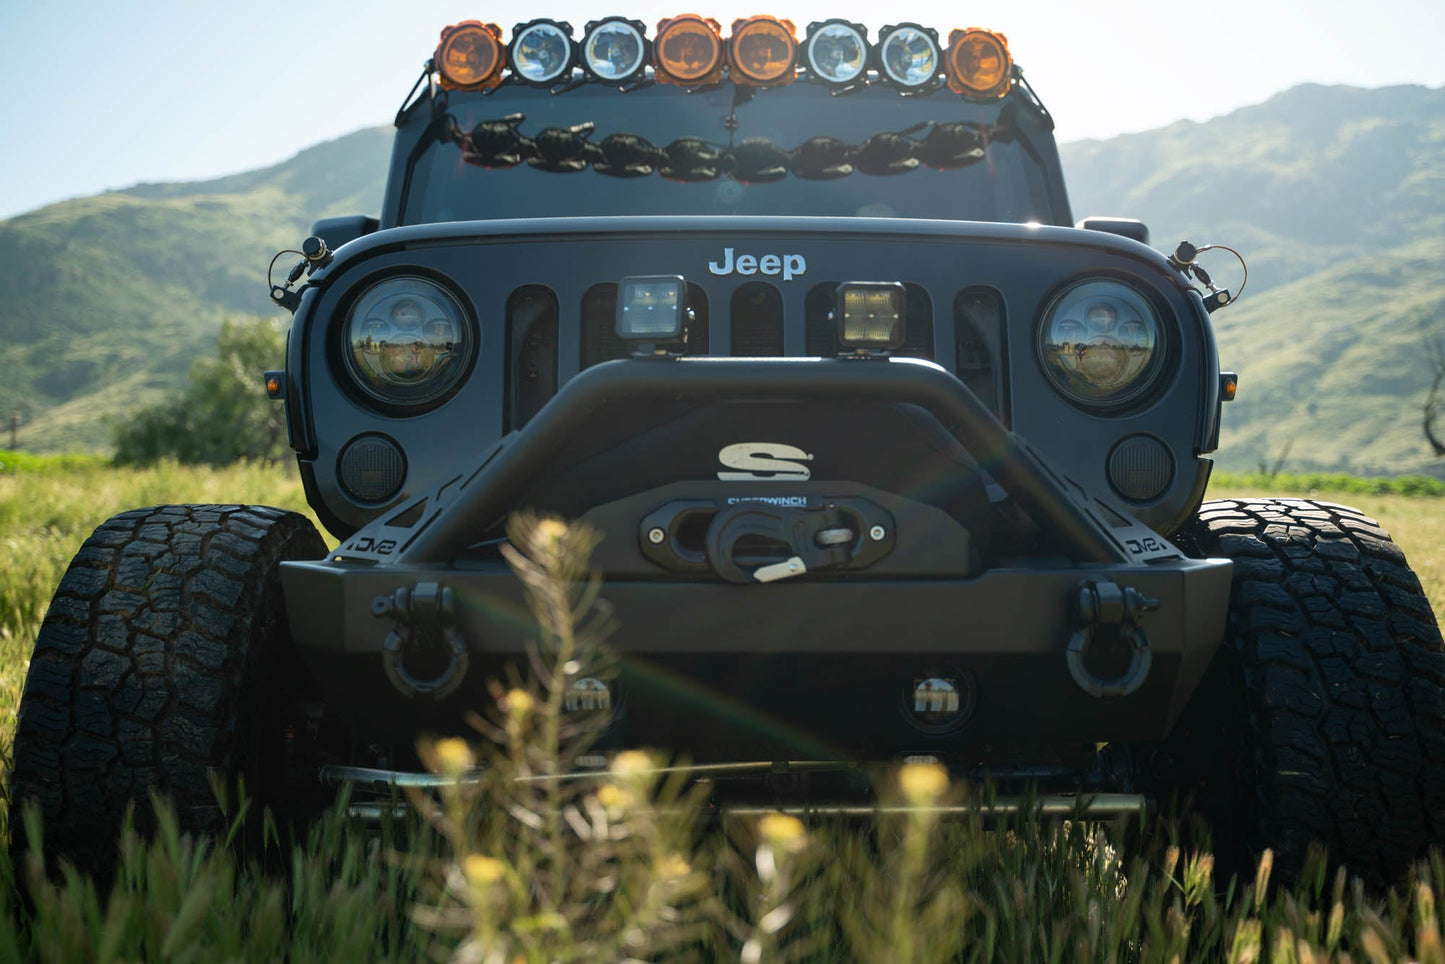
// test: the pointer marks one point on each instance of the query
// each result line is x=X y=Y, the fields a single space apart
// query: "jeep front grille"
x=757 y=323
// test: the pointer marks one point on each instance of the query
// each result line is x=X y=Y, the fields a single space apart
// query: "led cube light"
x=652 y=308
x=870 y=315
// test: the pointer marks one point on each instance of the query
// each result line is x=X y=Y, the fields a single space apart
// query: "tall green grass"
x=510 y=862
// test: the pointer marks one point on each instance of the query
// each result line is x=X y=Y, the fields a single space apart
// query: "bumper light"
x=940 y=704
x=587 y=695
x=871 y=316
x=652 y=309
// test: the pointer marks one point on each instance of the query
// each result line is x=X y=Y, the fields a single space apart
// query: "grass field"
x=491 y=878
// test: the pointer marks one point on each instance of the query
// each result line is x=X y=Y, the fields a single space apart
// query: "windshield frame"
x=426 y=125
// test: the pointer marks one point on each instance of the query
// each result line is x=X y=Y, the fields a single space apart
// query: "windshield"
x=523 y=152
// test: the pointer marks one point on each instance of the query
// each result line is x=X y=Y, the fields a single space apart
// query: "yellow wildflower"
x=923 y=783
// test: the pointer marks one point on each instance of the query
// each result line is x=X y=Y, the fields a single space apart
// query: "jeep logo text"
x=788 y=265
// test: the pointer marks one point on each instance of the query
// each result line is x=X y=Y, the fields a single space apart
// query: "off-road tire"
x=155 y=667
x=1323 y=716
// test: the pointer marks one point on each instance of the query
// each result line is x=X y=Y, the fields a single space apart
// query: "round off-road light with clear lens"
x=614 y=50
x=836 y=51
x=1101 y=344
x=541 y=51
x=470 y=56
x=762 y=50
x=407 y=342
x=979 y=64
x=688 y=51
x=908 y=55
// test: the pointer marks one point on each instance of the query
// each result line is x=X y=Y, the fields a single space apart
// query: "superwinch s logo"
x=788 y=265
x=764 y=461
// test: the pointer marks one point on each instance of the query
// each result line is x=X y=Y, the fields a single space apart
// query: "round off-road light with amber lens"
x=688 y=51
x=836 y=51
x=542 y=51
x=614 y=50
x=762 y=50
x=470 y=56
x=979 y=64
x=908 y=56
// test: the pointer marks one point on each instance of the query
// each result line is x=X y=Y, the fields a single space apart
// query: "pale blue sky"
x=101 y=95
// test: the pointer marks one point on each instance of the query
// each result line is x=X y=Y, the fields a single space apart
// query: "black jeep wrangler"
x=890 y=458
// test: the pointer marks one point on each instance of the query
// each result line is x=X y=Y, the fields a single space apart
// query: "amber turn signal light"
x=979 y=64
x=470 y=56
x=688 y=51
x=762 y=50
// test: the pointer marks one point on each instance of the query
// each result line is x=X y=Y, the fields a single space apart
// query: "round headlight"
x=909 y=55
x=836 y=51
x=407 y=342
x=614 y=50
x=1101 y=343
x=541 y=51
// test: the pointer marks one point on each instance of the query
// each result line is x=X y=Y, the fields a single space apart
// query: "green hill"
x=109 y=298
x=1335 y=195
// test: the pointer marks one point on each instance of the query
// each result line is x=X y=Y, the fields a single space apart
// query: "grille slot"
x=757 y=321
x=531 y=353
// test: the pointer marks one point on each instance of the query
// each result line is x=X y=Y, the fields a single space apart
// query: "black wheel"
x=156 y=666
x=1323 y=717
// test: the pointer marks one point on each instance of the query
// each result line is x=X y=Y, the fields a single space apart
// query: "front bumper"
x=819 y=667
x=813 y=669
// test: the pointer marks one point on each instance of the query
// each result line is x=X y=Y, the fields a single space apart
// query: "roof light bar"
x=762 y=51
x=688 y=51
x=909 y=57
x=836 y=52
x=979 y=64
x=615 y=50
x=542 y=51
x=470 y=56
